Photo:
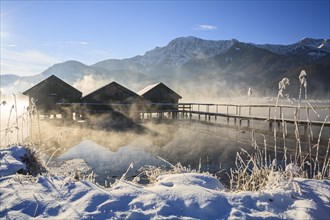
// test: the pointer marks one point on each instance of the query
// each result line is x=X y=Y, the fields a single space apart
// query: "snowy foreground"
x=172 y=196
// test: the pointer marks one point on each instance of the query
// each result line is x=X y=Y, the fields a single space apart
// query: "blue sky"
x=38 y=34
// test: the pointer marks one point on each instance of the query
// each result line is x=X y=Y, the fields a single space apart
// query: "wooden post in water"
x=270 y=122
x=216 y=115
x=308 y=112
x=239 y=115
x=270 y=126
x=235 y=118
x=248 y=121
x=305 y=130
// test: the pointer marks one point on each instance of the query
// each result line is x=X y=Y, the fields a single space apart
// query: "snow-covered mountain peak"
x=308 y=45
x=314 y=43
x=183 y=49
x=305 y=39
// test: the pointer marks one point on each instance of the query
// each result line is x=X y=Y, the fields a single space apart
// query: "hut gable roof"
x=149 y=88
x=103 y=90
x=55 y=80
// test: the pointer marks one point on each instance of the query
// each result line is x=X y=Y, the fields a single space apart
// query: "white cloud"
x=66 y=44
x=205 y=27
x=77 y=42
x=25 y=62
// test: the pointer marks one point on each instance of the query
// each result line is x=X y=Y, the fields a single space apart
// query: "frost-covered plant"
x=314 y=171
x=282 y=86
x=325 y=172
x=281 y=89
x=257 y=172
x=255 y=175
x=151 y=173
x=11 y=127
x=34 y=164
x=303 y=82
x=131 y=166
x=249 y=92
x=318 y=173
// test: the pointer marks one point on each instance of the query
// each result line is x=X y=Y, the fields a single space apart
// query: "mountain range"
x=201 y=69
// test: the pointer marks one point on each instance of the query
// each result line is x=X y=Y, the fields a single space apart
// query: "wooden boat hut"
x=109 y=97
x=48 y=93
x=160 y=94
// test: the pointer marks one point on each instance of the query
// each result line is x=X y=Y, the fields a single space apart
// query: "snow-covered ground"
x=172 y=196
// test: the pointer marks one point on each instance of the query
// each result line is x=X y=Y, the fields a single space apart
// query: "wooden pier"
x=303 y=115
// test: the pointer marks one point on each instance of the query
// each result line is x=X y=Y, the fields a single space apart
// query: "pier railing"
x=302 y=114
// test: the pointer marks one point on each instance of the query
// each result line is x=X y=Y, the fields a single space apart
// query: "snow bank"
x=196 y=179
x=11 y=160
x=172 y=196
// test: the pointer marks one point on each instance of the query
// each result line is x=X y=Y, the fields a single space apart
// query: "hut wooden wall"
x=110 y=94
x=119 y=97
x=51 y=91
x=160 y=93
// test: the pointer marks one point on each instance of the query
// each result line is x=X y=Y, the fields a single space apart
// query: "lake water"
x=189 y=142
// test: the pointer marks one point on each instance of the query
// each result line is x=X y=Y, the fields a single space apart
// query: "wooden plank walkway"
x=270 y=110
